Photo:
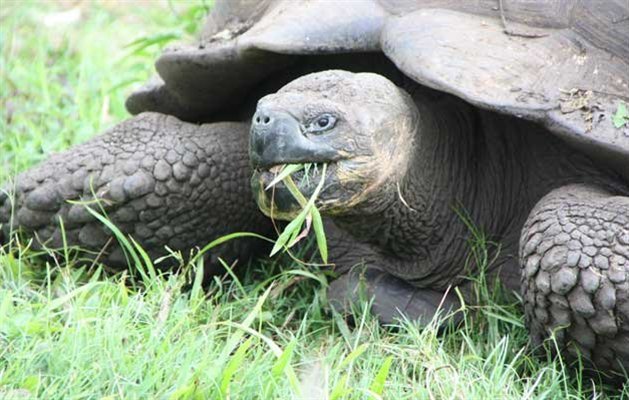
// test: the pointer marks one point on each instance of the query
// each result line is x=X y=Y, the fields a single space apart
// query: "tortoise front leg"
x=362 y=279
x=392 y=299
x=162 y=181
x=574 y=254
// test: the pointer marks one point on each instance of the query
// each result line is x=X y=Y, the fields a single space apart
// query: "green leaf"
x=354 y=355
x=196 y=292
x=286 y=171
x=227 y=238
x=31 y=383
x=62 y=300
x=148 y=264
x=288 y=233
x=233 y=276
x=6 y=308
x=159 y=39
x=294 y=227
x=289 y=372
x=294 y=190
x=343 y=327
x=510 y=319
x=232 y=342
x=234 y=363
x=621 y=116
x=377 y=386
x=340 y=389
x=317 y=225
x=186 y=391
x=280 y=365
x=127 y=248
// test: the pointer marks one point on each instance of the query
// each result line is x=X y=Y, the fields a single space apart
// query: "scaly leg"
x=574 y=254
x=391 y=298
x=362 y=279
x=163 y=181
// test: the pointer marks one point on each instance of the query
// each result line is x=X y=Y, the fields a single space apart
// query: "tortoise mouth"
x=276 y=200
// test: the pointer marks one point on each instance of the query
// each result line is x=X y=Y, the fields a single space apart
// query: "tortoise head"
x=360 y=125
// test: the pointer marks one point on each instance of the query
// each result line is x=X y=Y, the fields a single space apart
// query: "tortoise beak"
x=277 y=138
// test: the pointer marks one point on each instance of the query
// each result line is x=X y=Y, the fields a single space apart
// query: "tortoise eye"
x=322 y=123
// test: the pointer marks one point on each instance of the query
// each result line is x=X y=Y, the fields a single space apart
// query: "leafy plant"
x=621 y=116
x=309 y=214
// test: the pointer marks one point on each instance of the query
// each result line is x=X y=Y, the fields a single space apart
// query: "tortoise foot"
x=574 y=254
x=160 y=180
x=392 y=299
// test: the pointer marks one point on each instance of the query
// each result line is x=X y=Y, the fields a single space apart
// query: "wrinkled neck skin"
x=490 y=168
x=413 y=219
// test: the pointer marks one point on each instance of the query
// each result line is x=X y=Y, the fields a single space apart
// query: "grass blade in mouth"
x=317 y=225
x=285 y=172
x=291 y=234
x=315 y=215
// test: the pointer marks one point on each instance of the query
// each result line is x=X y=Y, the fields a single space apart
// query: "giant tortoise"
x=430 y=115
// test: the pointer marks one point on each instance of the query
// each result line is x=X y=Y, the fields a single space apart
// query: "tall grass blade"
x=286 y=171
x=292 y=230
x=125 y=244
x=197 y=289
x=340 y=389
x=227 y=238
x=277 y=351
x=232 y=366
x=235 y=338
x=377 y=385
x=357 y=352
x=317 y=226
x=284 y=360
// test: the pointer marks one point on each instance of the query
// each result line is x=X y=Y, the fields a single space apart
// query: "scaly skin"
x=575 y=273
x=163 y=181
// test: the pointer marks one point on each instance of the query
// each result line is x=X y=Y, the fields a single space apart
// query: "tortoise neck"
x=417 y=220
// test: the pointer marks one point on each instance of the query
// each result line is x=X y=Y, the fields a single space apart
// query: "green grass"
x=71 y=332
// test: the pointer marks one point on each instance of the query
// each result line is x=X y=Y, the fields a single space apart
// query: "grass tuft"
x=310 y=215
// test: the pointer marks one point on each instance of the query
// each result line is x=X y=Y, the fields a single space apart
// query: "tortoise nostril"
x=262 y=118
